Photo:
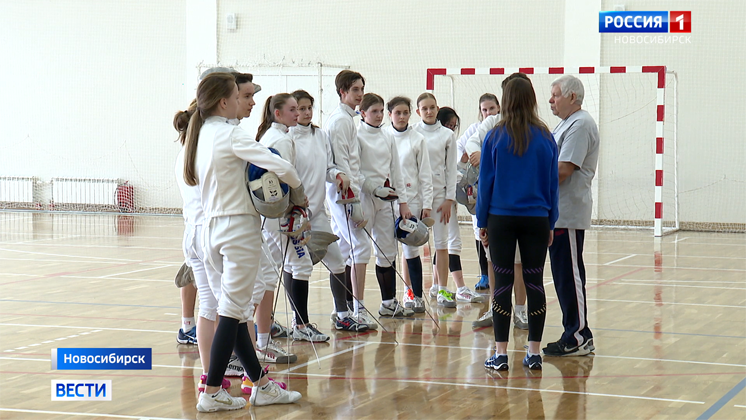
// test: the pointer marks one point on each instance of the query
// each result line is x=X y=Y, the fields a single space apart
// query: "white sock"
x=388 y=302
x=262 y=339
x=343 y=314
x=532 y=354
x=441 y=287
x=359 y=305
x=187 y=324
x=520 y=308
x=462 y=289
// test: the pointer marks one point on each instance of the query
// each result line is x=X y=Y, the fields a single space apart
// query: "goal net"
x=636 y=180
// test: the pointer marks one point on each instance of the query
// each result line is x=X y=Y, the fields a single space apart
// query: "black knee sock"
x=348 y=283
x=244 y=350
x=297 y=292
x=482 y=259
x=454 y=262
x=386 y=281
x=222 y=347
x=337 y=284
x=415 y=275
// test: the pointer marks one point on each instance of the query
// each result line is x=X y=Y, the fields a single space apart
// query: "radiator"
x=85 y=191
x=17 y=189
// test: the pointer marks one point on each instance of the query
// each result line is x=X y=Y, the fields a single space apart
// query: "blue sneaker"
x=483 y=283
x=189 y=337
x=532 y=362
x=497 y=362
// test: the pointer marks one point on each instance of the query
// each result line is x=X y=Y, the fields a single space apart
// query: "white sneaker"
x=394 y=309
x=445 y=298
x=364 y=317
x=520 y=320
x=419 y=305
x=484 y=320
x=408 y=299
x=309 y=333
x=334 y=316
x=272 y=394
x=234 y=367
x=273 y=353
x=219 y=401
x=434 y=289
x=464 y=294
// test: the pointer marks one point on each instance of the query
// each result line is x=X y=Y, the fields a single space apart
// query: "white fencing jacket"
x=380 y=159
x=192 y=210
x=315 y=164
x=277 y=137
x=475 y=141
x=340 y=128
x=441 y=147
x=415 y=165
x=223 y=151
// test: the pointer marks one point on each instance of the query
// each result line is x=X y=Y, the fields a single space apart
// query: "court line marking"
x=622 y=283
x=556 y=391
x=740 y=406
x=115 y=278
x=71 y=413
x=621 y=259
x=86 y=328
x=135 y=271
x=725 y=399
x=328 y=356
x=68 y=256
x=52 y=340
x=671 y=303
x=685 y=281
x=88 y=303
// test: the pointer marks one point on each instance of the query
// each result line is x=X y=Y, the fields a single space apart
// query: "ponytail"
x=181 y=121
x=213 y=88
x=190 y=148
x=267 y=118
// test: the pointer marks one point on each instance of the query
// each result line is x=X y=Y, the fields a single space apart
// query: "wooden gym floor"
x=670 y=333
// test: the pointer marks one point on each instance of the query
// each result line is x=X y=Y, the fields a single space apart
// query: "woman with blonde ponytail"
x=280 y=114
x=215 y=160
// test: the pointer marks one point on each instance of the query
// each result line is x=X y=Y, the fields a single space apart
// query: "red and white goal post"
x=630 y=105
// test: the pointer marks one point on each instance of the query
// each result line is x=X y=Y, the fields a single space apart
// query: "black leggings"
x=532 y=234
x=232 y=336
x=297 y=292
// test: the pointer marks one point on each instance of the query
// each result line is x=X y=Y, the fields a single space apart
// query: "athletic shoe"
x=394 y=309
x=445 y=298
x=203 y=381
x=334 y=316
x=273 y=353
x=520 y=320
x=408 y=299
x=464 y=294
x=484 y=321
x=277 y=330
x=419 y=305
x=364 y=317
x=483 y=283
x=272 y=393
x=350 y=324
x=434 y=291
x=234 y=367
x=189 y=337
x=247 y=385
x=497 y=362
x=532 y=362
x=219 y=401
x=558 y=348
x=309 y=333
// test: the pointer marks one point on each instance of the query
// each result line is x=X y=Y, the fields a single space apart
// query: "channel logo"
x=645 y=22
x=81 y=390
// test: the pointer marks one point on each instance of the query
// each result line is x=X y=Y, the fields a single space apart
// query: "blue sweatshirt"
x=512 y=185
